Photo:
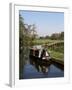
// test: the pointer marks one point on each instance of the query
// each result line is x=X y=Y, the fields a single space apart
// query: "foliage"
x=25 y=41
x=54 y=36
x=57 y=36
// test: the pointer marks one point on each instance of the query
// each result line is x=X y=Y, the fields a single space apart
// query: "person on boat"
x=43 y=54
x=47 y=55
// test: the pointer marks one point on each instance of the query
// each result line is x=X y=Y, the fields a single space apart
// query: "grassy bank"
x=44 y=41
x=57 y=55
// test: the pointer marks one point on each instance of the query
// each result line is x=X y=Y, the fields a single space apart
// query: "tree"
x=25 y=41
x=57 y=36
x=23 y=45
x=47 y=37
x=62 y=35
x=33 y=32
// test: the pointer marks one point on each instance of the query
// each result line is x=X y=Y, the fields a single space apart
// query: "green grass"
x=44 y=41
x=58 y=49
x=57 y=55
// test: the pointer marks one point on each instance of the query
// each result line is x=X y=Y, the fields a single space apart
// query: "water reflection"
x=35 y=68
x=40 y=65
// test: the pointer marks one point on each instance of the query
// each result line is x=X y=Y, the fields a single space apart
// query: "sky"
x=46 y=22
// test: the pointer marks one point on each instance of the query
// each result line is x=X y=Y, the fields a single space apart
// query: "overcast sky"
x=46 y=22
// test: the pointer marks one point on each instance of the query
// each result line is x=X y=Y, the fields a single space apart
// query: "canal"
x=35 y=69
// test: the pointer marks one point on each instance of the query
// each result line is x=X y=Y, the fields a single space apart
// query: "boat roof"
x=37 y=47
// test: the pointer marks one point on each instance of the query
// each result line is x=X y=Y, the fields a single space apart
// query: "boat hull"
x=40 y=60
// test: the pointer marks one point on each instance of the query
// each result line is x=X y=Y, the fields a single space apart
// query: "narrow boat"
x=40 y=54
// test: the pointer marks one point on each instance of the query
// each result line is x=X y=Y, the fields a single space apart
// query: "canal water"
x=33 y=69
